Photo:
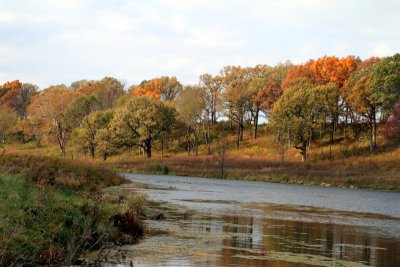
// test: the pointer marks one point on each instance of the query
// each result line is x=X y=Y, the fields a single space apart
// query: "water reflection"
x=235 y=240
x=339 y=243
x=233 y=223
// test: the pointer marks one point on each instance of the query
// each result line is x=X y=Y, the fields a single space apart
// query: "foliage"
x=164 y=88
x=8 y=119
x=141 y=121
x=50 y=107
x=328 y=99
x=391 y=129
x=301 y=110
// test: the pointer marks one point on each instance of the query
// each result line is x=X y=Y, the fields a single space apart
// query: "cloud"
x=49 y=41
x=215 y=38
x=6 y=17
x=382 y=50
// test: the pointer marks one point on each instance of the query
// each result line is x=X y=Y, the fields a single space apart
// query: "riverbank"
x=380 y=172
x=53 y=211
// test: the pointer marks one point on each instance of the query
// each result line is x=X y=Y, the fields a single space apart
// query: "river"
x=214 y=222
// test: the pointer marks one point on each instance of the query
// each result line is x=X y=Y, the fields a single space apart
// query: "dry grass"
x=342 y=164
x=61 y=173
x=349 y=164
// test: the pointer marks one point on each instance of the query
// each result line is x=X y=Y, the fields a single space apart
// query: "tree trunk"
x=222 y=162
x=303 y=150
x=332 y=135
x=208 y=137
x=241 y=127
x=373 y=131
x=238 y=136
x=196 y=144
x=63 y=151
x=162 y=147
x=188 y=140
x=256 y=123
x=147 y=147
x=92 y=150
x=105 y=156
x=345 y=123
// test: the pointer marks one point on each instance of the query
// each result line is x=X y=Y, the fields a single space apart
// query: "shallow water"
x=212 y=222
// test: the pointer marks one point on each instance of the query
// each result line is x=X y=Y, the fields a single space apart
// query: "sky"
x=48 y=42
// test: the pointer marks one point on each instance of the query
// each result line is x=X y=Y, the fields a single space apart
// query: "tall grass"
x=53 y=210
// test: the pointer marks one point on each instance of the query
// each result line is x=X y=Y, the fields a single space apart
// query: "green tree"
x=386 y=75
x=190 y=106
x=142 y=120
x=299 y=112
x=365 y=97
x=95 y=133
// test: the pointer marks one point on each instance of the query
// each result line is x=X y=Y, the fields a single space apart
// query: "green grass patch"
x=43 y=225
x=53 y=211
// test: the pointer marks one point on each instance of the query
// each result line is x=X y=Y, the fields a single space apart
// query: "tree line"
x=338 y=98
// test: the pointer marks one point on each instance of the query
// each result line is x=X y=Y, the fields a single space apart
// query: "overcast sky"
x=49 y=42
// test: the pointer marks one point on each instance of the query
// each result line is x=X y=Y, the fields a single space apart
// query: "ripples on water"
x=234 y=223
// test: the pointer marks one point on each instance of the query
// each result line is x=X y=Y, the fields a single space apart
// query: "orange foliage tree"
x=8 y=93
x=50 y=106
x=150 y=88
x=164 y=88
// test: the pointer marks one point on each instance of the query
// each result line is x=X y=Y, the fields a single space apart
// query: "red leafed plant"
x=391 y=128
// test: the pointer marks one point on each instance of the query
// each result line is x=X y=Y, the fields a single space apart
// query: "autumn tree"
x=50 y=106
x=150 y=88
x=108 y=90
x=191 y=107
x=212 y=97
x=94 y=133
x=141 y=121
x=8 y=119
x=264 y=89
x=170 y=88
x=8 y=93
x=23 y=99
x=104 y=133
x=363 y=96
x=235 y=81
x=299 y=111
x=374 y=89
x=77 y=115
x=164 y=88
x=212 y=87
x=17 y=96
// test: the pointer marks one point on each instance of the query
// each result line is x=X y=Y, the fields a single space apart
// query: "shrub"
x=158 y=168
x=392 y=126
x=61 y=173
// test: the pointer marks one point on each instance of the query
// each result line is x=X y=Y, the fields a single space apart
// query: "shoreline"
x=264 y=177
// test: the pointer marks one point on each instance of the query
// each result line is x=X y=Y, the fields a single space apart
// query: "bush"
x=61 y=173
x=158 y=168
x=392 y=126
